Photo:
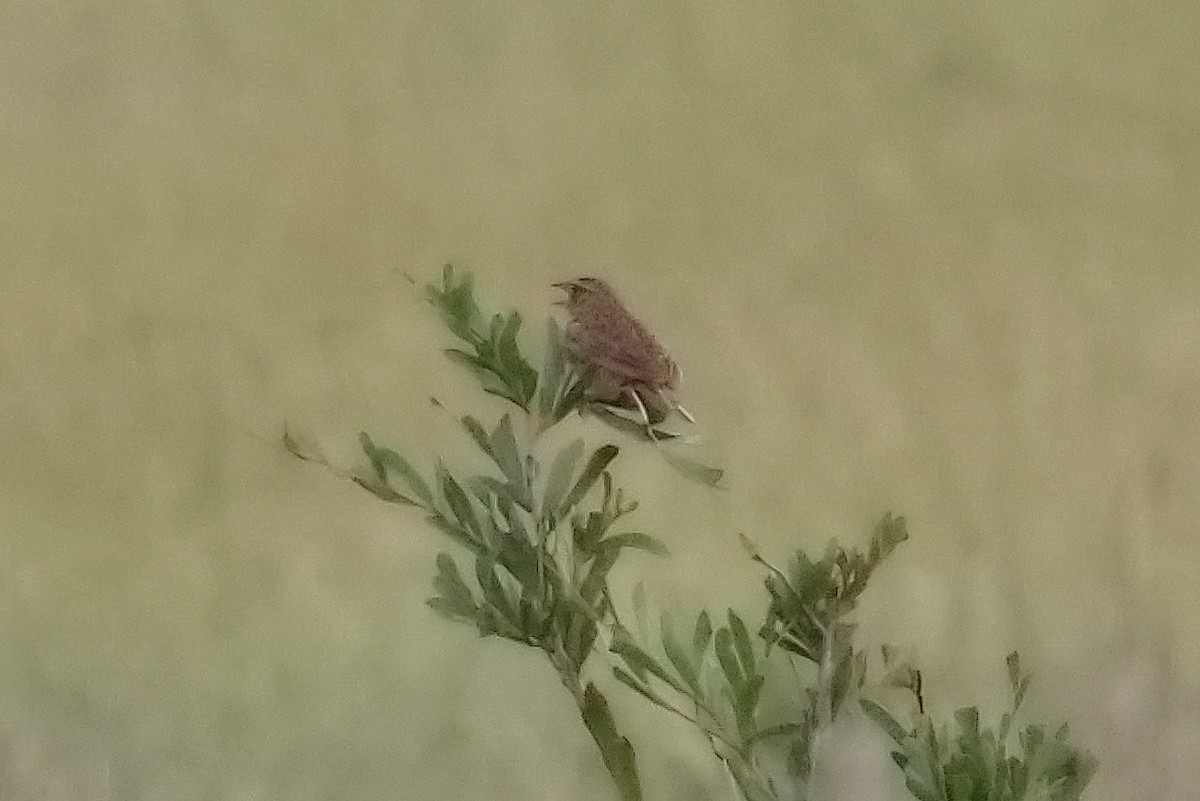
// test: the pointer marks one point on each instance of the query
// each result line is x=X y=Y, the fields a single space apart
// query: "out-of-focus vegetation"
x=541 y=563
x=938 y=259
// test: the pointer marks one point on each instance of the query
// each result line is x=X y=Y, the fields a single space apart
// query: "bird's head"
x=580 y=289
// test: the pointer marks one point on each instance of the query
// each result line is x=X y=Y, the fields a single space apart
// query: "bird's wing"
x=629 y=354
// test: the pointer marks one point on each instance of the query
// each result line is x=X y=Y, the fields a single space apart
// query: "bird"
x=624 y=361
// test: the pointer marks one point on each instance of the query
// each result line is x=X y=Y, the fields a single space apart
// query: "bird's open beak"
x=565 y=286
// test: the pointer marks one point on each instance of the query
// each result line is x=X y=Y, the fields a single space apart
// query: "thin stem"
x=567 y=672
x=825 y=682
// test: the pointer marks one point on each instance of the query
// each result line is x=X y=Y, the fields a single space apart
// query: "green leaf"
x=884 y=720
x=1013 y=661
x=383 y=492
x=1005 y=724
x=678 y=656
x=591 y=471
x=577 y=604
x=843 y=671
x=960 y=786
x=457 y=533
x=728 y=659
x=1022 y=688
x=506 y=452
x=1031 y=739
x=641 y=612
x=559 y=479
x=920 y=786
x=520 y=558
x=749 y=781
x=587 y=536
x=1019 y=776
x=386 y=459
x=460 y=504
x=967 y=719
x=520 y=373
x=498 y=507
x=890 y=532
x=597 y=575
x=471 y=361
x=450 y=610
x=456 y=303
x=553 y=371
x=780 y=730
x=580 y=637
x=614 y=749
x=455 y=599
x=491 y=382
x=635 y=540
x=641 y=662
x=625 y=425
x=571 y=397
x=479 y=435
x=741 y=639
x=561 y=391
x=626 y=678
x=701 y=636
x=485 y=486
x=497 y=361
x=746 y=704
x=800 y=749
x=493 y=591
x=696 y=471
x=923 y=774
x=495 y=330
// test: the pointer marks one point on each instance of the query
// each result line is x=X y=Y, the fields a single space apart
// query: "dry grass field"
x=938 y=258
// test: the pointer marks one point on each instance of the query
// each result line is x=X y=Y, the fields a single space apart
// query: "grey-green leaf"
x=454 y=599
x=1019 y=696
x=679 y=656
x=641 y=662
x=741 y=639
x=728 y=659
x=627 y=426
x=506 y=453
x=884 y=720
x=625 y=677
x=385 y=459
x=1013 y=661
x=552 y=373
x=460 y=504
x=597 y=576
x=561 y=471
x=696 y=471
x=780 y=730
x=517 y=370
x=614 y=749
x=493 y=591
x=591 y=471
x=479 y=435
x=636 y=540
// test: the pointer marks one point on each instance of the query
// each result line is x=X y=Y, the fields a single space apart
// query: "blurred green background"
x=934 y=257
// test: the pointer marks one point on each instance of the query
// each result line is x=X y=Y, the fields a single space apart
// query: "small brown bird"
x=625 y=360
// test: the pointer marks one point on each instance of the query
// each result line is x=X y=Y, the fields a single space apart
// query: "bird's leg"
x=679 y=408
x=675 y=380
x=637 y=399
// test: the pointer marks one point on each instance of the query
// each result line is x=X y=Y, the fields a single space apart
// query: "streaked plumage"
x=626 y=361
